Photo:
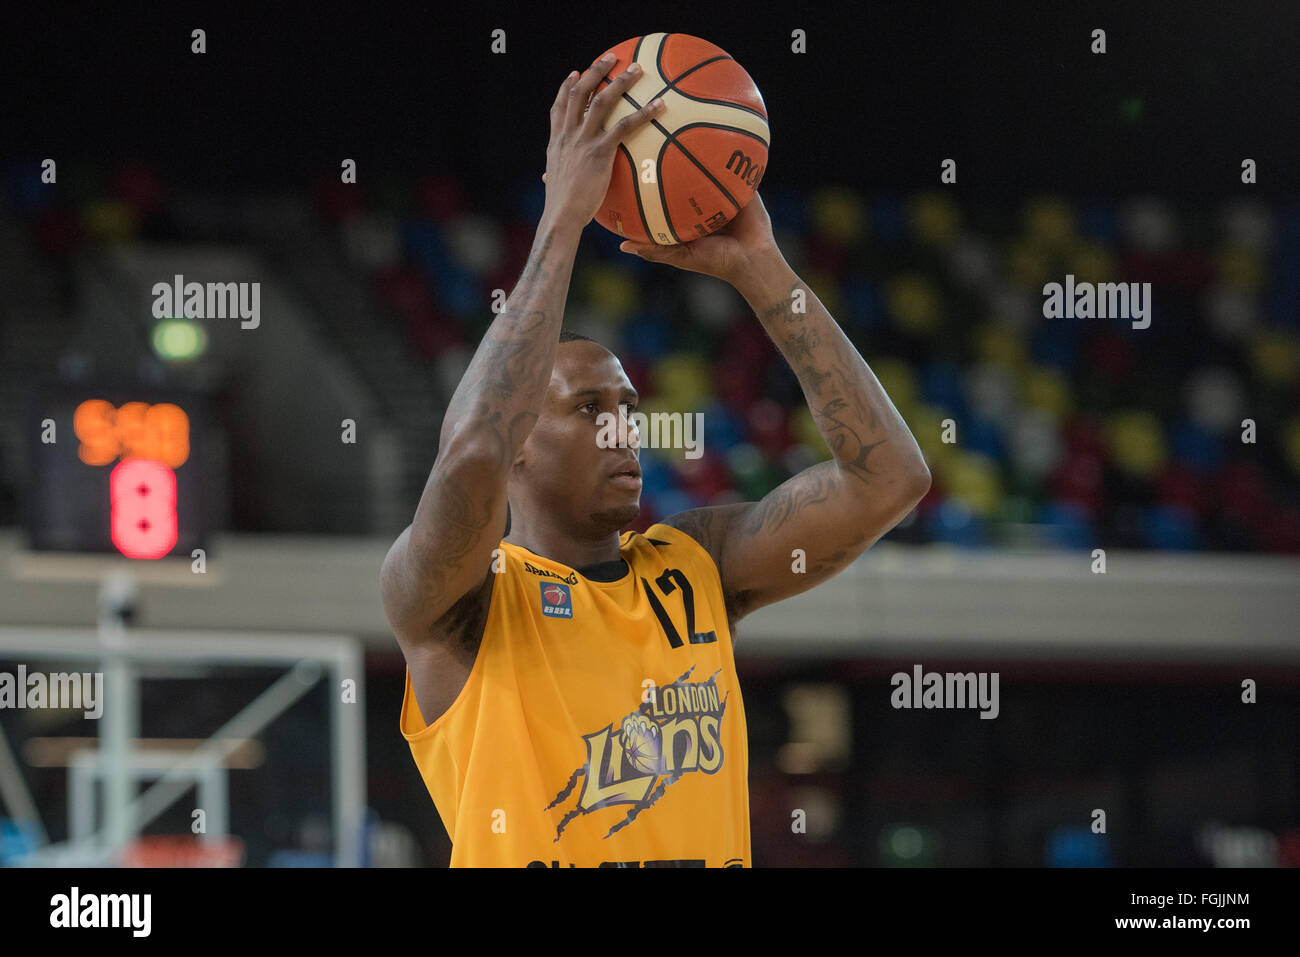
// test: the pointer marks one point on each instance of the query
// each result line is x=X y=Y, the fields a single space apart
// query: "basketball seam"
x=734 y=106
x=659 y=182
x=645 y=223
x=723 y=126
x=671 y=138
x=659 y=63
x=672 y=84
x=640 y=208
x=698 y=165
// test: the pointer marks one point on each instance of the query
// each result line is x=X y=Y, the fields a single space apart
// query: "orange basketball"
x=692 y=168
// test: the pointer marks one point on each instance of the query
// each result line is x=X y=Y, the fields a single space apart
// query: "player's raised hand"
x=725 y=254
x=580 y=155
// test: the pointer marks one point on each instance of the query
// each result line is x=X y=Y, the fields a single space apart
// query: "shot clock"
x=118 y=469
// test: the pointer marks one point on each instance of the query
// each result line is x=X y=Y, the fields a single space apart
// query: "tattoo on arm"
x=461 y=520
x=849 y=449
x=509 y=360
x=810 y=487
x=702 y=524
x=494 y=407
x=837 y=384
x=505 y=383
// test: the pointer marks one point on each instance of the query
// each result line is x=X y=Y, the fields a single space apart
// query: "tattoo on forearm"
x=837 y=382
x=514 y=357
x=814 y=377
x=511 y=359
x=534 y=265
x=803 y=343
x=850 y=450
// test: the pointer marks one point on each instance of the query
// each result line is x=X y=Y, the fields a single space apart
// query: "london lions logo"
x=678 y=730
x=556 y=600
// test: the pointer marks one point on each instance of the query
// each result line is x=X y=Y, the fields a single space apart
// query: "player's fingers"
x=636 y=120
x=580 y=91
x=604 y=101
x=561 y=103
x=655 y=252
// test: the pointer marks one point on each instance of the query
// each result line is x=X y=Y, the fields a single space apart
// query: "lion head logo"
x=641 y=743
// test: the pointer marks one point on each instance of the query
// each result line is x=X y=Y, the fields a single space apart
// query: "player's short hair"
x=568 y=336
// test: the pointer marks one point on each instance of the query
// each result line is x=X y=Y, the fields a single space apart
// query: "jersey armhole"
x=677 y=536
x=410 y=713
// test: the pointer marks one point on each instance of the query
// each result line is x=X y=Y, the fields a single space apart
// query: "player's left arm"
x=834 y=510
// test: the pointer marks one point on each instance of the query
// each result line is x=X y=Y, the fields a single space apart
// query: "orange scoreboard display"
x=119 y=470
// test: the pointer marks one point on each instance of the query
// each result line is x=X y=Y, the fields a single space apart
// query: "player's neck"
x=560 y=546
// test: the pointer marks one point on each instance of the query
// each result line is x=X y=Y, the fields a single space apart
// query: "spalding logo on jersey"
x=676 y=731
x=556 y=600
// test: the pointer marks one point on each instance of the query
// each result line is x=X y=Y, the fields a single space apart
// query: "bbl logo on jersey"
x=556 y=600
x=634 y=760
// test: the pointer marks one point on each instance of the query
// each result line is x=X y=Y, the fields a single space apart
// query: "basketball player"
x=571 y=694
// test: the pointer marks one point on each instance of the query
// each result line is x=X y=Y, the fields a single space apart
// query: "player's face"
x=565 y=457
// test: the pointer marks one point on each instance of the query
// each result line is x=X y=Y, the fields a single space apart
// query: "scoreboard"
x=118 y=469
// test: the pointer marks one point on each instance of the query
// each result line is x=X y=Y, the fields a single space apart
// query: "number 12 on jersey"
x=670 y=581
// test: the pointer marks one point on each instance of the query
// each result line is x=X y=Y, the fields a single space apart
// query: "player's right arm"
x=445 y=554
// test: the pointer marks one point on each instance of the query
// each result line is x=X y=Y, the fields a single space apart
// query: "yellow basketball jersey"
x=602 y=722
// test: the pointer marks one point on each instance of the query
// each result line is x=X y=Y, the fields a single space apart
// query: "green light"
x=179 y=339
x=906 y=843
x=903 y=845
x=1131 y=109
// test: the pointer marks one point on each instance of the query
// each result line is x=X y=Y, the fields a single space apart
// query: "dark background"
x=1011 y=91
